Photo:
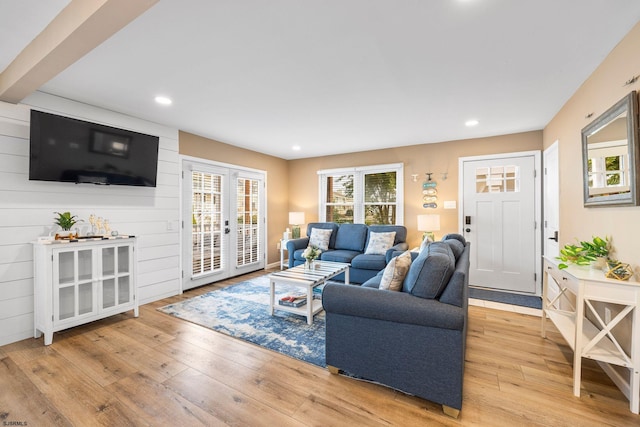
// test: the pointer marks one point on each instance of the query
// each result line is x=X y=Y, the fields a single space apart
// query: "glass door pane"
x=247 y=209
x=85 y=298
x=124 y=290
x=123 y=259
x=66 y=267
x=206 y=219
x=108 y=293
x=108 y=261
x=66 y=302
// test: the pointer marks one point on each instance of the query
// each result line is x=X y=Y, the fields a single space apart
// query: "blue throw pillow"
x=430 y=272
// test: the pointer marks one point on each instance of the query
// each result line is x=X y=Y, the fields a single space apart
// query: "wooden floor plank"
x=22 y=402
x=154 y=401
x=160 y=370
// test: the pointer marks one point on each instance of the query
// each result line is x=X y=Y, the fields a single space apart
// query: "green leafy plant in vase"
x=65 y=221
x=586 y=252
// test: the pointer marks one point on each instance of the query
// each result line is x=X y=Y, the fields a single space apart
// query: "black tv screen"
x=70 y=150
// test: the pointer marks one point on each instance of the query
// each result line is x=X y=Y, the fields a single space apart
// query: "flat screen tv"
x=70 y=150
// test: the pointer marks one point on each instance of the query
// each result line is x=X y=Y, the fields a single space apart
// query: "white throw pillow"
x=395 y=272
x=320 y=238
x=379 y=243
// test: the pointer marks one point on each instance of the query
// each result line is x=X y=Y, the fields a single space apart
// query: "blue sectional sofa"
x=348 y=243
x=412 y=340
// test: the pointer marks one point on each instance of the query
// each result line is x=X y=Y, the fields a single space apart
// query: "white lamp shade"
x=296 y=218
x=429 y=222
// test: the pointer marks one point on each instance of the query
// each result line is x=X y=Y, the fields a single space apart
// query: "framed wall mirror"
x=610 y=156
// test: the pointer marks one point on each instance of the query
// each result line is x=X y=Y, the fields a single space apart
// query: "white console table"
x=588 y=333
x=82 y=281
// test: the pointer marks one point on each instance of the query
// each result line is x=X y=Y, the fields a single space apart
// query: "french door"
x=223 y=222
x=500 y=217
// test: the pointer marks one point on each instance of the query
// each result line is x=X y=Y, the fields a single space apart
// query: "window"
x=369 y=195
x=608 y=167
x=497 y=179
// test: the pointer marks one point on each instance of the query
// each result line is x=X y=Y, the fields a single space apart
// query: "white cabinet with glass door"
x=80 y=282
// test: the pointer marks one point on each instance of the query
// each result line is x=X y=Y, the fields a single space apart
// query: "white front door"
x=223 y=222
x=499 y=218
x=551 y=190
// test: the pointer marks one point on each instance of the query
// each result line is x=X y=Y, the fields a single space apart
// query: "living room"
x=28 y=207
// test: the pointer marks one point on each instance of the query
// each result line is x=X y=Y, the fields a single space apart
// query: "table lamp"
x=429 y=223
x=295 y=219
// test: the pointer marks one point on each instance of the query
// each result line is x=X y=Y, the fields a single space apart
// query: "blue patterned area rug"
x=241 y=311
x=505 y=297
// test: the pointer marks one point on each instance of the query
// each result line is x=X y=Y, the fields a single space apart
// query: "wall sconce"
x=295 y=219
x=429 y=223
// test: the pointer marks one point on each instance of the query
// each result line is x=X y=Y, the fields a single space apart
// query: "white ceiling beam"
x=78 y=29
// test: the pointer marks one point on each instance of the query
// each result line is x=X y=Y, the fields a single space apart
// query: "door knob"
x=467 y=230
x=227 y=230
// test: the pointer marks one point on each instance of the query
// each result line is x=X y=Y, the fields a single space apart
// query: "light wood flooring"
x=161 y=371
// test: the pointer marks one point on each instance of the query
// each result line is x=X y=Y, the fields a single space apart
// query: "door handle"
x=227 y=230
x=555 y=236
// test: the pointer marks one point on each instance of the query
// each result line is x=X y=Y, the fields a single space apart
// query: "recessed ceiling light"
x=163 y=100
x=471 y=123
x=296 y=148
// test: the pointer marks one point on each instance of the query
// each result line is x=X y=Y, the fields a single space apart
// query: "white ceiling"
x=337 y=76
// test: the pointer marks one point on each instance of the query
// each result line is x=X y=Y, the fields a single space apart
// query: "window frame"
x=359 y=202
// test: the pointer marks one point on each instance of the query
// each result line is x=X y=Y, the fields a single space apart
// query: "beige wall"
x=599 y=92
x=417 y=159
x=277 y=179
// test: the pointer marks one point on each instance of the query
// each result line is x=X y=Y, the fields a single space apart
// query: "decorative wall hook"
x=631 y=81
x=414 y=177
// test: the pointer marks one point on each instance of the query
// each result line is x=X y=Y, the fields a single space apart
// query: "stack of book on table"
x=293 y=300
x=317 y=292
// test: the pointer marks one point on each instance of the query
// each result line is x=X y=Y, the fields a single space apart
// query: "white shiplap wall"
x=27 y=210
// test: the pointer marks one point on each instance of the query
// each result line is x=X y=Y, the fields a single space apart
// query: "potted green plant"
x=585 y=252
x=65 y=221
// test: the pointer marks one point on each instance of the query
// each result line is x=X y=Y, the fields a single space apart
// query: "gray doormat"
x=530 y=301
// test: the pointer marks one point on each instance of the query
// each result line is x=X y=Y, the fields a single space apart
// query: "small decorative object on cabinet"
x=65 y=221
x=82 y=281
x=618 y=270
x=570 y=297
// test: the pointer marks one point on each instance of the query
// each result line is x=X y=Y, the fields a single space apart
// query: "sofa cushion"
x=379 y=243
x=430 y=271
x=339 y=255
x=395 y=272
x=369 y=262
x=320 y=238
x=456 y=247
x=351 y=237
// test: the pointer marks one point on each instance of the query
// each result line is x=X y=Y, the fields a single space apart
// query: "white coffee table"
x=306 y=279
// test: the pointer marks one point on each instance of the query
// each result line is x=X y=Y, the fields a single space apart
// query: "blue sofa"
x=348 y=243
x=413 y=340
